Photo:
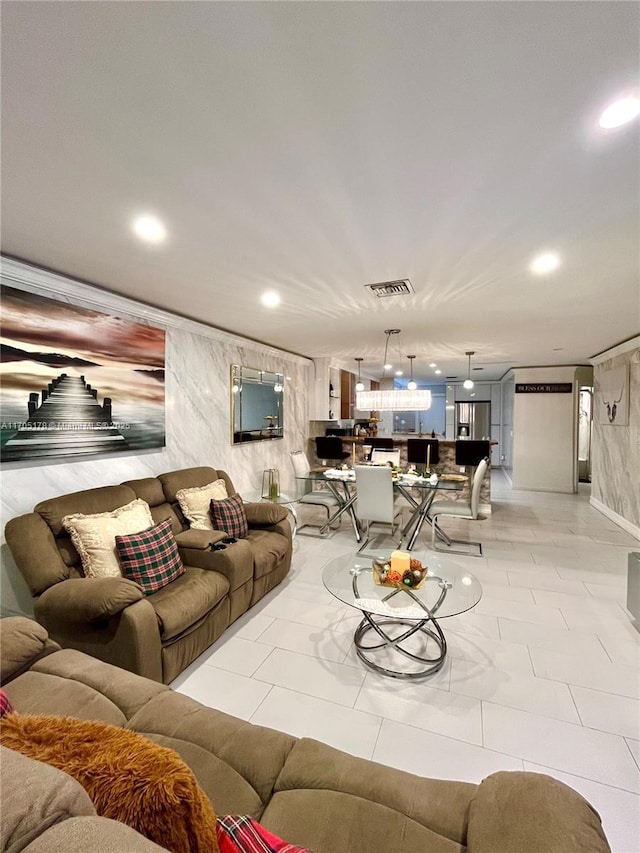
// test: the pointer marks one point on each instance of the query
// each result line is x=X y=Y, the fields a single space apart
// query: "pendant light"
x=468 y=382
x=411 y=385
x=394 y=399
x=359 y=383
x=386 y=365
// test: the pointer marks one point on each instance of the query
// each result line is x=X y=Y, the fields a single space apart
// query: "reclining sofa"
x=305 y=792
x=110 y=618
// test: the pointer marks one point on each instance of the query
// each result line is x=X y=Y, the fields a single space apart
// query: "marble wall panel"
x=615 y=470
x=198 y=360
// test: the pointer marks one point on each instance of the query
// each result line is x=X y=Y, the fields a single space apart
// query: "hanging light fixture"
x=411 y=385
x=468 y=382
x=389 y=400
x=386 y=364
x=359 y=383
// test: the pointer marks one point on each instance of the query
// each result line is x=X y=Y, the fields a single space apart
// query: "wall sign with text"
x=544 y=387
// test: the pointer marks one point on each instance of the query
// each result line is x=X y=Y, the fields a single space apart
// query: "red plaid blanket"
x=5 y=705
x=241 y=834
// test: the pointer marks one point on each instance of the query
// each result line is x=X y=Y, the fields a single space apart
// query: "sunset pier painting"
x=77 y=382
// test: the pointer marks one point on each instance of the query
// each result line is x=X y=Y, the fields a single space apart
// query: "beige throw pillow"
x=195 y=503
x=95 y=536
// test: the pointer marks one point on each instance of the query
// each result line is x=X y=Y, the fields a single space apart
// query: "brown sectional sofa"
x=159 y=635
x=305 y=792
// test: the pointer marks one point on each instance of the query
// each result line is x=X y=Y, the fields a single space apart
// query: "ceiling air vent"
x=391 y=288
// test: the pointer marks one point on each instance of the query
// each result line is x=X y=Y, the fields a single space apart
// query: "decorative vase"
x=270 y=484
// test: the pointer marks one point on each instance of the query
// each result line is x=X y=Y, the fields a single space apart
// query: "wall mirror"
x=256 y=404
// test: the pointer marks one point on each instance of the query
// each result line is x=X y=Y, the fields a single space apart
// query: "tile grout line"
x=636 y=759
x=260 y=703
x=573 y=699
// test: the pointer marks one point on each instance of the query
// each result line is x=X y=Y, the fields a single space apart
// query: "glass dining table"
x=418 y=491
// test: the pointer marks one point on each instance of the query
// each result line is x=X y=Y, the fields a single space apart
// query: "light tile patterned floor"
x=543 y=675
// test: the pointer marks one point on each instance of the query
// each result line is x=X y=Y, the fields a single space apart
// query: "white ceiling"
x=313 y=147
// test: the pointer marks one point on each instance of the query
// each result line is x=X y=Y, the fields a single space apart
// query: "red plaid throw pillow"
x=241 y=834
x=5 y=705
x=230 y=515
x=150 y=558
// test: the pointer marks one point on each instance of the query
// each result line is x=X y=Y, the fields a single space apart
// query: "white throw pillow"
x=195 y=503
x=95 y=535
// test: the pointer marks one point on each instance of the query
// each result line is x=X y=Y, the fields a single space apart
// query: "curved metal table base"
x=374 y=622
x=370 y=623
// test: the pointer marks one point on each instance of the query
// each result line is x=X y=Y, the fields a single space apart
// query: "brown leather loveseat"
x=110 y=618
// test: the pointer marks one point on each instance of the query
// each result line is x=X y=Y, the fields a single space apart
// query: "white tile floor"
x=543 y=675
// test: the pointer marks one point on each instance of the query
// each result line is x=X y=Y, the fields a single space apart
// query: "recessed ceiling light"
x=387 y=366
x=620 y=112
x=270 y=299
x=437 y=372
x=398 y=373
x=433 y=364
x=149 y=228
x=544 y=263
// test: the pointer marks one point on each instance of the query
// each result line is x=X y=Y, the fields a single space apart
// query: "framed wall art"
x=76 y=381
x=612 y=396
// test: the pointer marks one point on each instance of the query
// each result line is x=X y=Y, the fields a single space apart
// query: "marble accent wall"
x=615 y=472
x=198 y=360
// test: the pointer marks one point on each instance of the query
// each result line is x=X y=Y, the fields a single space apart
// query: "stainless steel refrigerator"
x=473 y=420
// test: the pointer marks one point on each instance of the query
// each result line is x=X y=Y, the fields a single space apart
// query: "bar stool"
x=381 y=443
x=417 y=451
x=471 y=452
x=329 y=447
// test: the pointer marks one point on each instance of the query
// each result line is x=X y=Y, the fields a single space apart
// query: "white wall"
x=544 y=433
x=198 y=360
x=615 y=472
x=506 y=425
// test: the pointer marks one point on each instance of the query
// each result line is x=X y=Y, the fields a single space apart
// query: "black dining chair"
x=329 y=448
x=471 y=452
x=417 y=451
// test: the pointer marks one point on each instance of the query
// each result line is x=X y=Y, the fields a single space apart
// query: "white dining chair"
x=459 y=509
x=379 y=455
x=307 y=494
x=375 y=503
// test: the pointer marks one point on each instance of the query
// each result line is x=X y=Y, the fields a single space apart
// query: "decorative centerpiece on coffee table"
x=400 y=570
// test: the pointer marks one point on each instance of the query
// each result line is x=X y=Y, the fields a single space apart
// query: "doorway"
x=585 y=427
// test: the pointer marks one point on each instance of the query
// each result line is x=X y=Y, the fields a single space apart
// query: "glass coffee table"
x=399 y=624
